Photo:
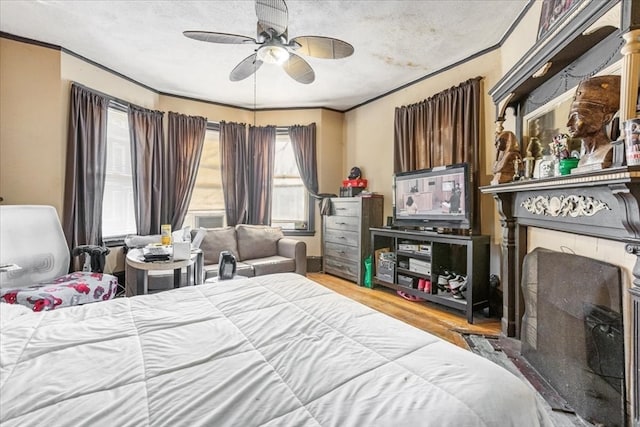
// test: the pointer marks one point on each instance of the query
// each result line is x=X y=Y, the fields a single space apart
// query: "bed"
x=275 y=350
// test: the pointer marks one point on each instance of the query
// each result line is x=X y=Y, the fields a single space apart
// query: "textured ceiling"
x=396 y=42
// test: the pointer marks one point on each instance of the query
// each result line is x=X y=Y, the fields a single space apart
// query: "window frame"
x=311 y=226
x=213 y=127
x=117 y=240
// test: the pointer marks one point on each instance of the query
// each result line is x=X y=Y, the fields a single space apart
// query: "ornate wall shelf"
x=603 y=204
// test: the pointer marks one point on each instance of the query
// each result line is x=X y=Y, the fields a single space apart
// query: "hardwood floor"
x=440 y=321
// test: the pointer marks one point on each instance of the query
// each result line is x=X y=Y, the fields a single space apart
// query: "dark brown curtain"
x=303 y=142
x=85 y=169
x=147 y=164
x=261 y=156
x=233 y=165
x=441 y=130
x=185 y=138
x=409 y=136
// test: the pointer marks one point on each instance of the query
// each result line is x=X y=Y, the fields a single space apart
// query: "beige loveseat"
x=258 y=250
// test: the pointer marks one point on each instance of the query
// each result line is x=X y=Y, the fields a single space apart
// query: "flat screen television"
x=440 y=197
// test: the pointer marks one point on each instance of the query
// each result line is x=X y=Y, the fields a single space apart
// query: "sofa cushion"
x=257 y=241
x=242 y=269
x=217 y=240
x=272 y=264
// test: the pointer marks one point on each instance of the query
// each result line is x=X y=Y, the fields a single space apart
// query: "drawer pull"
x=341 y=223
x=341 y=209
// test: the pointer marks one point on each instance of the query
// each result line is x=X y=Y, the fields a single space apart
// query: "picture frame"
x=553 y=11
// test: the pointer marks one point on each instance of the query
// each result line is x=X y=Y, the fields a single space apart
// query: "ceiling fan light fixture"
x=274 y=45
x=273 y=54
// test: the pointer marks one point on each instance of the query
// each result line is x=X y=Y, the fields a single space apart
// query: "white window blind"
x=290 y=203
x=118 y=215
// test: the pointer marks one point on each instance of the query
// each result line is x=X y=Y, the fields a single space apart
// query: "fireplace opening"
x=572 y=331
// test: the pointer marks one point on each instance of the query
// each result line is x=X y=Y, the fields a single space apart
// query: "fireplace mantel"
x=603 y=204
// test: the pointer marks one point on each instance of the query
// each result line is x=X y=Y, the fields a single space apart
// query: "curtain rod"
x=97 y=92
x=120 y=102
x=125 y=104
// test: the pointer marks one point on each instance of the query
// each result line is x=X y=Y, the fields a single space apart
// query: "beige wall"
x=522 y=38
x=212 y=112
x=32 y=140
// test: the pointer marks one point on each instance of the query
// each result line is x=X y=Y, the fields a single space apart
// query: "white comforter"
x=274 y=350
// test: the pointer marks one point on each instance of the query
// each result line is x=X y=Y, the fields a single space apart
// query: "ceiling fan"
x=274 y=47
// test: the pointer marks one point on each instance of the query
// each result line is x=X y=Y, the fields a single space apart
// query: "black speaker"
x=389 y=221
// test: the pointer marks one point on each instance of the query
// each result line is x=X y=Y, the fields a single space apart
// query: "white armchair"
x=34 y=262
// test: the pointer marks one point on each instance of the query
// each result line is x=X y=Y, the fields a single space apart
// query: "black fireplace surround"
x=603 y=204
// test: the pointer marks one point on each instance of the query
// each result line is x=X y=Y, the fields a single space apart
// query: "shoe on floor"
x=458 y=294
x=458 y=287
x=443 y=280
x=409 y=296
x=457 y=282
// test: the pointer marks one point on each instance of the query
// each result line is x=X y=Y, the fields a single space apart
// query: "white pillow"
x=198 y=238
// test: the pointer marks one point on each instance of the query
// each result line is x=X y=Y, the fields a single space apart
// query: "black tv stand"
x=436 y=231
x=434 y=253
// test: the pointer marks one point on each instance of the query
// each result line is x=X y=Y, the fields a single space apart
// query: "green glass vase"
x=567 y=164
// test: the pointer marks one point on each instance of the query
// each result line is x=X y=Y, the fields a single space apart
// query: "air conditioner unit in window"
x=209 y=220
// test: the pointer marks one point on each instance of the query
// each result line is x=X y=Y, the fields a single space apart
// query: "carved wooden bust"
x=595 y=103
x=507 y=156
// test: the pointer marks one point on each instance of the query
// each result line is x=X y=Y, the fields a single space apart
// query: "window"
x=206 y=208
x=291 y=208
x=118 y=214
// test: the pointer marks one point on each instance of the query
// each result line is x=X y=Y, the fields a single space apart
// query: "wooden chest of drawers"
x=346 y=237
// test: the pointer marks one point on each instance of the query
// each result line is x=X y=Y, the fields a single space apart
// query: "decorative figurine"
x=534 y=149
x=516 y=169
x=534 y=152
x=595 y=103
x=508 y=151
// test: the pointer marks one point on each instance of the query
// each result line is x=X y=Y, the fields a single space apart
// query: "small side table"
x=136 y=261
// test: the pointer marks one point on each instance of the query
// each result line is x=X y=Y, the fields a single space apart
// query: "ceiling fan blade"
x=272 y=14
x=323 y=47
x=299 y=69
x=245 y=68
x=207 y=36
